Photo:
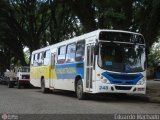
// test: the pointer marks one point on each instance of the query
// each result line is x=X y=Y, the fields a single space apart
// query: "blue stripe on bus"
x=69 y=70
x=123 y=78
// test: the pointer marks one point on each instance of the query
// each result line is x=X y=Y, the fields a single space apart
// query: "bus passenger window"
x=71 y=49
x=80 y=50
x=32 y=58
x=61 y=54
x=53 y=60
x=40 y=59
x=92 y=54
x=46 y=57
x=35 y=60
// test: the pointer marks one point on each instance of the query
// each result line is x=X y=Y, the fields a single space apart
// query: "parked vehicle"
x=1 y=79
x=10 y=77
x=23 y=76
x=18 y=77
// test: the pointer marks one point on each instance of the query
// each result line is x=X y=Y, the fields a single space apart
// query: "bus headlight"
x=141 y=82
x=104 y=80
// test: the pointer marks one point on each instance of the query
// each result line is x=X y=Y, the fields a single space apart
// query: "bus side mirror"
x=96 y=49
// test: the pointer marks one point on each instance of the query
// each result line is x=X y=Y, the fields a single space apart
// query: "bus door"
x=89 y=66
x=52 y=71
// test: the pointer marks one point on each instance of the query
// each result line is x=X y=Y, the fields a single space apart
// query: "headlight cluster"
x=141 y=82
x=104 y=79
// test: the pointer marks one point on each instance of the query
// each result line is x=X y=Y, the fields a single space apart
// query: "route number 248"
x=103 y=87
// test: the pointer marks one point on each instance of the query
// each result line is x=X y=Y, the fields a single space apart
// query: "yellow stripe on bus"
x=39 y=71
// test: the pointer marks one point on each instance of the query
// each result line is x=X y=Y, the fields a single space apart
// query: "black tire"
x=27 y=85
x=79 y=90
x=10 y=84
x=43 y=89
x=18 y=85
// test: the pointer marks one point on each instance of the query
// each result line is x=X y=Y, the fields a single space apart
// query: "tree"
x=154 y=56
x=63 y=23
x=38 y=23
x=8 y=37
x=137 y=16
x=27 y=22
x=5 y=56
x=148 y=20
x=85 y=11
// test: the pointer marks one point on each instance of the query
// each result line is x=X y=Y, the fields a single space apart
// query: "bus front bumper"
x=117 y=88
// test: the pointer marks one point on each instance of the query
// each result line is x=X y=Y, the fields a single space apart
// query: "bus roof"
x=81 y=37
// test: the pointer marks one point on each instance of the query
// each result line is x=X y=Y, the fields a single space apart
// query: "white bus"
x=102 y=61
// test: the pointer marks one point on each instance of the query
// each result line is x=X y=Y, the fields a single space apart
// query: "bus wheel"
x=79 y=90
x=43 y=89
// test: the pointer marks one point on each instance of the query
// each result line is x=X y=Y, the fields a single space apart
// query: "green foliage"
x=37 y=23
x=27 y=56
x=154 y=56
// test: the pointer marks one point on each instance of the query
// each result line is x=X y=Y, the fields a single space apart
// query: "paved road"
x=32 y=101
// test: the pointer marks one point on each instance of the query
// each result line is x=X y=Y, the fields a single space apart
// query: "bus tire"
x=43 y=89
x=79 y=90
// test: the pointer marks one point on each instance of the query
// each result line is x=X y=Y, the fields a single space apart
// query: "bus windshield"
x=121 y=57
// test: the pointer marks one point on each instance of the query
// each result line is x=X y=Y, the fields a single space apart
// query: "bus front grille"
x=123 y=87
x=124 y=77
x=123 y=82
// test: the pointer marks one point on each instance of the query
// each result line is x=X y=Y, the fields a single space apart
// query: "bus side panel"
x=37 y=73
x=66 y=74
x=52 y=78
x=33 y=76
x=64 y=84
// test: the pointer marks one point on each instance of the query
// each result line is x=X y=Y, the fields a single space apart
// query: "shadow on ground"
x=102 y=97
